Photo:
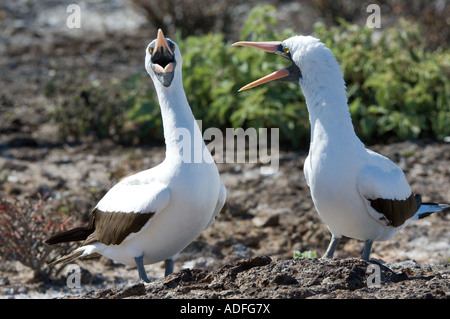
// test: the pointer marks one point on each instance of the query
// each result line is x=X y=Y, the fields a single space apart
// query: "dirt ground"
x=248 y=252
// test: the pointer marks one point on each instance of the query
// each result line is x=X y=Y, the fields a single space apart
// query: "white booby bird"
x=152 y=215
x=357 y=192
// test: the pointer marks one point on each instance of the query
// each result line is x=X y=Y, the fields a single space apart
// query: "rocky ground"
x=264 y=278
x=248 y=252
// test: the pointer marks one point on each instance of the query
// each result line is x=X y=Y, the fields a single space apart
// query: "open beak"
x=289 y=74
x=163 y=60
x=163 y=53
x=161 y=42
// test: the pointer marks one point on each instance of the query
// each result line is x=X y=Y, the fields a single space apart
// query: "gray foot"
x=140 y=266
x=366 y=251
x=169 y=267
x=331 y=247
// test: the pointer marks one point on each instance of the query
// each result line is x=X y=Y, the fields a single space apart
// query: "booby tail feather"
x=75 y=234
x=426 y=209
x=67 y=258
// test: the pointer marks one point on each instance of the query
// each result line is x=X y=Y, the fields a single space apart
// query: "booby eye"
x=150 y=50
x=172 y=47
x=286 y=50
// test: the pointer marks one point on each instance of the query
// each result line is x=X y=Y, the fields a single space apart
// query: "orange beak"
x=291 y=73
x=163 y=59
x=269 y=46
x=161 y=42
x=277 y=75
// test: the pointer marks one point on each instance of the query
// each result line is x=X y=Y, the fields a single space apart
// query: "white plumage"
x=357 y=192
x=152 y=215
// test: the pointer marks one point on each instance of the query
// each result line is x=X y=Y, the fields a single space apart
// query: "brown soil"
x=248 y=252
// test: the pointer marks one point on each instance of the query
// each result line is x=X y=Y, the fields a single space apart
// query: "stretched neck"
x=329 y=113
x=181 y=131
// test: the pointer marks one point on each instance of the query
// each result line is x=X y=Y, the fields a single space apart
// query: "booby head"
x=311 y=61
x=162 y=59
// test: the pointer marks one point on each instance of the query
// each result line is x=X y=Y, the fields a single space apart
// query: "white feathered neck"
x=176 y=113
x=324 y=89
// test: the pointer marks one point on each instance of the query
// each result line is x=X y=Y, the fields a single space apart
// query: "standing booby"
x=357 y=192
x=152 y=215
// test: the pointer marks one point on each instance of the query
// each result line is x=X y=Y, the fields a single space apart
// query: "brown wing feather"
x=396 y=212
x=111 y=228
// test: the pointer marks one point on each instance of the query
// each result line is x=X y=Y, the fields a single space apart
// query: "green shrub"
x=86 y=107
x=304 y=254
x=397 y=87
x=213 y=72
x=143 y=121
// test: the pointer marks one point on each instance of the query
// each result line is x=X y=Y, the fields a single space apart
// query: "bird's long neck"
x=181 y=132
x=329 y=113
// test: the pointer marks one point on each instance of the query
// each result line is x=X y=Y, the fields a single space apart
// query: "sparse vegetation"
x=397 y=87
x=24 y=225
x=304 y=254
x=46 y=58
x=86 y=107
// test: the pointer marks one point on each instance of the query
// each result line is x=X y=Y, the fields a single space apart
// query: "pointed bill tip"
x=277 y=75
x=162 y=42
x=237 y=44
